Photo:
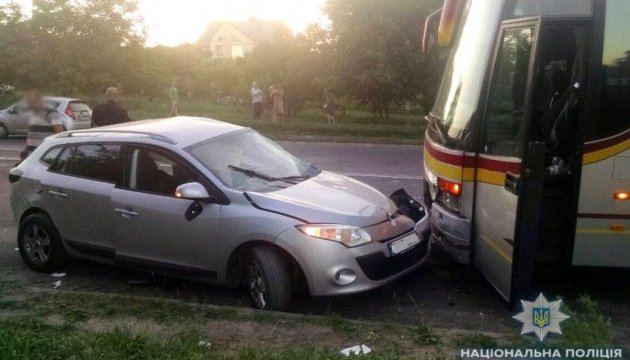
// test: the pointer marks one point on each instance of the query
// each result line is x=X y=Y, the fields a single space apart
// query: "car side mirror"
x=12 y=111
x=193 y=191
x=196 y=192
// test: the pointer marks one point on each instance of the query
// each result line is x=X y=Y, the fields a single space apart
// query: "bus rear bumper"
x=451 y=233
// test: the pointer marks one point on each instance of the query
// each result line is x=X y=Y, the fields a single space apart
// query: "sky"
x=172 y=22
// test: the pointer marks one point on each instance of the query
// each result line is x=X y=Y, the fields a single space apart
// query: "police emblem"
x=541 y=317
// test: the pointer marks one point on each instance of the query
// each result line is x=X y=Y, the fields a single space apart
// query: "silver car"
x=14 y=119
x=214 y=202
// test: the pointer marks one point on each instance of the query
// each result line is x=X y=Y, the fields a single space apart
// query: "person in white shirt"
x=257 y=101
x=43 y=122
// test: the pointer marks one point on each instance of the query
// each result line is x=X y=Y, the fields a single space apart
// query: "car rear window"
x=77 y=106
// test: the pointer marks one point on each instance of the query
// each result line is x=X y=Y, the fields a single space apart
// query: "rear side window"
x=614 y=111
x=92 y=161
x=50 y=156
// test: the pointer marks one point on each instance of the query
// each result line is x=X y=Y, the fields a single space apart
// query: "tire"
x=268 y=280
x=4 y=132
x=40 y=244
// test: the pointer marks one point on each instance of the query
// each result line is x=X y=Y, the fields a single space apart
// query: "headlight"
x=350 y=236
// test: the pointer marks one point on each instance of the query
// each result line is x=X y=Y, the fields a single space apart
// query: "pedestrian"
x=257 y=100
x=330 y=106
x=110 y=112
x=277 y=95
x=174 y=96
x=43 y=121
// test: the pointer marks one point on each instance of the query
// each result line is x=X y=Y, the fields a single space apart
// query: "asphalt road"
x=440 y=294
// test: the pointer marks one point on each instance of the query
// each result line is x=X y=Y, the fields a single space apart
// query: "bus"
x=527 y=148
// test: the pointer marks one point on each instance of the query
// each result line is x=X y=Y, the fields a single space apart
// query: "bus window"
x=553 y=7
x=508 y=93
x=614 y=110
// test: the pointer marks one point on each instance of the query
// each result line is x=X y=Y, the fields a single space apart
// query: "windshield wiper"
x=256 y=174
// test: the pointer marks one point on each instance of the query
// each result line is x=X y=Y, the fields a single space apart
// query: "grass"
x=54 y=324
x=353 y=125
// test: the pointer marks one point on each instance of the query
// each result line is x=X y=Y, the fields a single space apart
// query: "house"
x=234 y=39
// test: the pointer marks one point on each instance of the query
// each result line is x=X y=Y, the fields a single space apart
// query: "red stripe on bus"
x=469 y=161
x=606 y=143
x=499 y=166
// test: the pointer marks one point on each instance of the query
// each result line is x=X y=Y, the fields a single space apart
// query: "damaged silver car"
x=213 y=202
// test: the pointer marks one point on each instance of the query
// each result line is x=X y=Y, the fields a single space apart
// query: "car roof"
x=60 y=99
x=181 y=131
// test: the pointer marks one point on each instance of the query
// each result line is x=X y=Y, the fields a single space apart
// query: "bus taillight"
x=622 y=195
x=450 y=187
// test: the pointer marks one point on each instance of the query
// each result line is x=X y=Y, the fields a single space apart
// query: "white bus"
x=527 y=149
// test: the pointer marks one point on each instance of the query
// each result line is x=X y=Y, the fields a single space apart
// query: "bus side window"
x=614 y=108
x=506 y=110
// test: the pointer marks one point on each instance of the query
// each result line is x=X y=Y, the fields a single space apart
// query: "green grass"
x=476 y=340
x=353 y=125
x=587 y=326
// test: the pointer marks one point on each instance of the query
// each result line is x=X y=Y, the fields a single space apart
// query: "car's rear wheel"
x=268 y=279
x=4 y=132
x=40 y=245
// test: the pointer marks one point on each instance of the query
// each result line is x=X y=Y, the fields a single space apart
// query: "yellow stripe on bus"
x=442 y=169
x=507 y=257
x=490 y=177
x=605 y=153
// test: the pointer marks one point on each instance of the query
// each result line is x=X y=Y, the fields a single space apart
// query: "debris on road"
x=356 y=350
x=58 y=274
x=57 y=284
x=204 y=343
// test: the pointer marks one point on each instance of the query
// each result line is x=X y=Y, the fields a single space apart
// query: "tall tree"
x=377 y=44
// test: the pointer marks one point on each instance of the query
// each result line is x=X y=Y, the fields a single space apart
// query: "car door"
x=504 y=175
x=78 y=188
x=17 y=118
x=149 y=222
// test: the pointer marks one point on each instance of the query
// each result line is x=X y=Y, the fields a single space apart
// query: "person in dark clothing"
x=110 y=112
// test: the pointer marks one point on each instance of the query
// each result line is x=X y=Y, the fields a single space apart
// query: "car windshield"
x=248 y=161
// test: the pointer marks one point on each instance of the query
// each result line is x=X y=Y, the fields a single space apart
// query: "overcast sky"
x=171 y=22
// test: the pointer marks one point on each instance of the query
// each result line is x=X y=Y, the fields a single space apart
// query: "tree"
x=377 y=48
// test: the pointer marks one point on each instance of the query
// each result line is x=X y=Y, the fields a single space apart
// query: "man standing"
x=257 y=101
x=174 y=96
x=43 y=122
x=110 y=112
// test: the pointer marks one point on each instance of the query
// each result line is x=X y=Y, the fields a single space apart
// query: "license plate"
x=404 y=244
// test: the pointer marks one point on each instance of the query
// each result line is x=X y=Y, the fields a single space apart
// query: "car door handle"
x=57 y=194
x=125 y=213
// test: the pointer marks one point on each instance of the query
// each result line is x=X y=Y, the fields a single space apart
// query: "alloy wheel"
x=257 y=288
x=37 y=244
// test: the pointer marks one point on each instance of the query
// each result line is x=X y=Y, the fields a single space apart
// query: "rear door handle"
x=57 y=194
x=125 y=213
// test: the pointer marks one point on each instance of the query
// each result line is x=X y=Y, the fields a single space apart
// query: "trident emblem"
x=541 y=317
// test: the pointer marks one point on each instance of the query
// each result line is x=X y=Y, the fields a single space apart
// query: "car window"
x=154 y=172
x=78 y=106
x=50 y=156
x=92 y=161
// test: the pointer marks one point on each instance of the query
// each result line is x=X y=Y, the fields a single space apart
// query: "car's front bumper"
x=372 y=264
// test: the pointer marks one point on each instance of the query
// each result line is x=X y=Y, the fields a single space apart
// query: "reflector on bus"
x=451 y=14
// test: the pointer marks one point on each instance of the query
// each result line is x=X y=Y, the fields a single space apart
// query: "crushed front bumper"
x=370 y=266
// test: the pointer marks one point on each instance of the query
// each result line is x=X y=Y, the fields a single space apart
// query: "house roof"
x=256 y=29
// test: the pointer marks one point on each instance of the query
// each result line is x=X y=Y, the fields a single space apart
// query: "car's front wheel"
x=4 y=132
x=40 y=245
x=268 y=279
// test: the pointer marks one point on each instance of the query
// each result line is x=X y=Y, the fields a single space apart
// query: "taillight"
x=450 y=187
x=71 y=113
x=622 y=195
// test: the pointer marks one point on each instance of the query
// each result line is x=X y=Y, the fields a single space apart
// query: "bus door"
x=509 y=167
x=527 y=153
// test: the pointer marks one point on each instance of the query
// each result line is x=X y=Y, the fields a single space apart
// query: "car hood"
x=328 y=198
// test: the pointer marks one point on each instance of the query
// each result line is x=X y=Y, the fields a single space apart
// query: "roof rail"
x=105 y=131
